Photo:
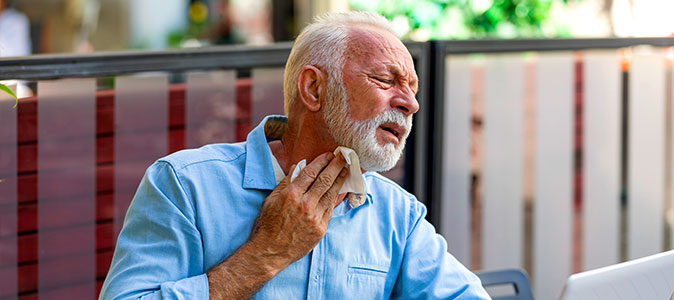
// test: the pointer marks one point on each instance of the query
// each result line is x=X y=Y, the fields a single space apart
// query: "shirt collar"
x=260 y=172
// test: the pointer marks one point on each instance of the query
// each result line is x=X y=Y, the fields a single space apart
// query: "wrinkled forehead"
x=372 y=45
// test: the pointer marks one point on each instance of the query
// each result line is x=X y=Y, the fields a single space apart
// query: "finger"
x=329 y=197
x=325 y=180
x=312 y=170
x=327 y=202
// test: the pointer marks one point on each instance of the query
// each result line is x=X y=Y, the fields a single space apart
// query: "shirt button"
x=316 y=277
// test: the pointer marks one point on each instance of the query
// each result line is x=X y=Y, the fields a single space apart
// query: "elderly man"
x=225 y=222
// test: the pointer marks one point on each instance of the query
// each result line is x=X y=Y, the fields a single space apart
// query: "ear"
x=311 y=87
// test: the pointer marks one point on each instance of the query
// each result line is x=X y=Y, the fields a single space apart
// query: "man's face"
x=371 y=112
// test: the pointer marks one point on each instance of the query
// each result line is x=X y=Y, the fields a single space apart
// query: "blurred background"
x=544 y=141
x=61 y=26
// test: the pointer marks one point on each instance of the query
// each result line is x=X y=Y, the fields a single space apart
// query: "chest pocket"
x=366 y=281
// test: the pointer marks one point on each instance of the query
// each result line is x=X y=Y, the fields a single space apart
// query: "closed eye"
x=383 y=80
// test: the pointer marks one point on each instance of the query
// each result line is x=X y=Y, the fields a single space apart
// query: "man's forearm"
x=242 y=274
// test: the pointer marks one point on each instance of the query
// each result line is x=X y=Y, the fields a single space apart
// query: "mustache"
x=394 y=116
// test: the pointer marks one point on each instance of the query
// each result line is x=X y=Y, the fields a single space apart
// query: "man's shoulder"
x=205 y=154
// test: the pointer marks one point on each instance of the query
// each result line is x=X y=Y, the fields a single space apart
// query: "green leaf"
x=7 y=90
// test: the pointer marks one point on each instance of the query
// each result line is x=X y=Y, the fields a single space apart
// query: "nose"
x=406 y=102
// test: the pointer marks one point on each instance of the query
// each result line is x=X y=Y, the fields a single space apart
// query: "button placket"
x=313 y=288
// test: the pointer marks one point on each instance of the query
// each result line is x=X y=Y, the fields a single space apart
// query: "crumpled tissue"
x=354 y=182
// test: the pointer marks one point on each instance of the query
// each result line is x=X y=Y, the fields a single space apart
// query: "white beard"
x=361 y=135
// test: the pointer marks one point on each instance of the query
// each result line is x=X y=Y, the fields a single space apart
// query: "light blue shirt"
x=194 y=208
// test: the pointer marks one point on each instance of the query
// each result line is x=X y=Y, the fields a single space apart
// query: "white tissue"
x=300 y=166
x=354 y=182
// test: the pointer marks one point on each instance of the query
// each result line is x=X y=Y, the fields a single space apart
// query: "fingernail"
x=330 y=156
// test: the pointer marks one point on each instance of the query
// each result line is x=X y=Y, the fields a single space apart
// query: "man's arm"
x=293 y=219
x=159 y=251
x=428 y=271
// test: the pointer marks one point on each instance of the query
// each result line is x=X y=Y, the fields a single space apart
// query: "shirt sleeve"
x=159 y=253
x=428 y=271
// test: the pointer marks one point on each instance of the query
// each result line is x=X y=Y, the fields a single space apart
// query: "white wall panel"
x=601 y=159
x=66 y=209
x=646 y=154
x=553 y=173
x=455 y=219
x=503 y=162
x=267 y=93
x=210 y=108
x=670 y=212
x=8 y=198
x=141 y=134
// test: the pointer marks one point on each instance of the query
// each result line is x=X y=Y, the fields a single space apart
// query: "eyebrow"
x=397 y=71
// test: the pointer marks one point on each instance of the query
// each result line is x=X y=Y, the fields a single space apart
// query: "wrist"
x=241 y=275
x=269 y=262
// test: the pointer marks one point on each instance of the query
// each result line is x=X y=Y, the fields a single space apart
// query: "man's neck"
x=303 y=142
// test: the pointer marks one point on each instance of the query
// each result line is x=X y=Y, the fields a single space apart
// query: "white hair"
x=323 y=44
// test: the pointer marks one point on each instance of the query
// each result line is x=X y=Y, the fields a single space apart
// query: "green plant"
x=468 y=19
x=7 y=90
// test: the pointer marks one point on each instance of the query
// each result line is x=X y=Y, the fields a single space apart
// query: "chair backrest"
x=650 y=277
x=509 y=284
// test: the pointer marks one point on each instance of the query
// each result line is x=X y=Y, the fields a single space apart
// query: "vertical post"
x=455 y=200
x=67 y=188
x=601 y=158
x=553 y=192
x=139 y=139
x=646 y=154
x=502 y=237
x=210 y=108
x=435 y=148
x=267 y=93
x=8 y=198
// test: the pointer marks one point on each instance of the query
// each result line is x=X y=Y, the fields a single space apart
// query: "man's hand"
x=295 y=216
x=293 y=219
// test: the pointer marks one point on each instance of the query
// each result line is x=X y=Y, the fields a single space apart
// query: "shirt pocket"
x=366 y=281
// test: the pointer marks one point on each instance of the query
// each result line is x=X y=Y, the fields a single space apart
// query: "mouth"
x=393 y=130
